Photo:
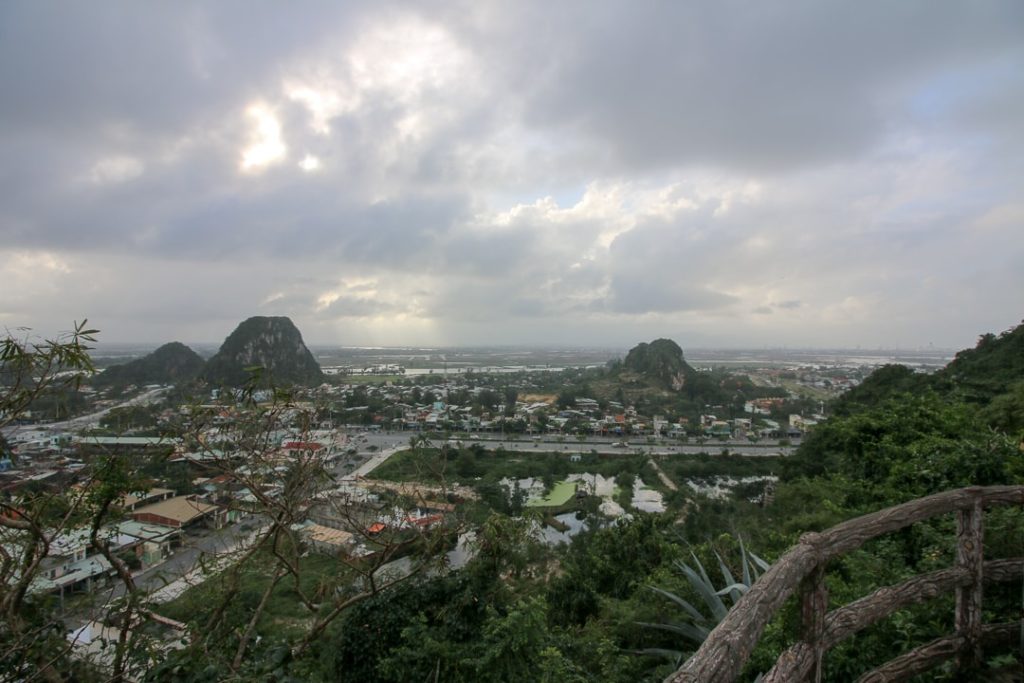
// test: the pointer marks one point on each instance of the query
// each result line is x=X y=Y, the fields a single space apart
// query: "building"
x=130 y=501
x=180 y=512
x=153 y=543
x=324 y=539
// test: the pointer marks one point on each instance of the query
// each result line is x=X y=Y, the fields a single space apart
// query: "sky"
x=799 y=173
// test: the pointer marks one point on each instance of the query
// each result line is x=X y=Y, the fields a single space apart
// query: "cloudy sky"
x=592 y=173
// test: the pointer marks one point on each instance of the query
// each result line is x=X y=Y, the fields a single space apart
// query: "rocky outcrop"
x=661 y=361
x=271 y=347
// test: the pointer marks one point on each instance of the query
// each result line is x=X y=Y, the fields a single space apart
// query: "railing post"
x=970 y=556
x=813 y=608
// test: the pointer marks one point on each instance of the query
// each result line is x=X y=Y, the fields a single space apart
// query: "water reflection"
x=552 y=536
x=463 y=552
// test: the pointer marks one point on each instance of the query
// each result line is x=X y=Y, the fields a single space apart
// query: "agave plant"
x=700 y=622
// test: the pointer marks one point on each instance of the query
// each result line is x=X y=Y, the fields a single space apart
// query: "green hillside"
x=169 y=364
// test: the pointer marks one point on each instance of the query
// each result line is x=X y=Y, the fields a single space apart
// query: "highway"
x=400 y=439
x=82 y=421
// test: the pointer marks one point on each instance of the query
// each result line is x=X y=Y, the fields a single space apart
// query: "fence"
x=802 y=570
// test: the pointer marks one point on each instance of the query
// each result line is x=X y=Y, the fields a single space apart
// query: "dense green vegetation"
x=661 y=361
x=466 y=465
x=899 y=436
x=169 y=364
x=521 y=610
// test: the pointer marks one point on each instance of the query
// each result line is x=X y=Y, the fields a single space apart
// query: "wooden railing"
x=802 y=570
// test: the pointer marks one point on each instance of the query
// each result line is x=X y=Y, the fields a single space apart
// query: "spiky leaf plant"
x=698 y=623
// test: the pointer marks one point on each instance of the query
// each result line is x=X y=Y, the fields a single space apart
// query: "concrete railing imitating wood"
x=802 y=570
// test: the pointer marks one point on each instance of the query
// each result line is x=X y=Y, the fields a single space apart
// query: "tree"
x=237 y=441
x=31 y=368
x=278 y=553
x=511 y=395
x=31 y=642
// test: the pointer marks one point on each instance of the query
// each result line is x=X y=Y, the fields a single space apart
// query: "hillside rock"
x=660 y=361
x=273 y=343
x=169 y=364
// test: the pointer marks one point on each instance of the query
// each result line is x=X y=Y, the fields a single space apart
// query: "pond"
x=552 y=536
x=719 y=487
x=644 y=498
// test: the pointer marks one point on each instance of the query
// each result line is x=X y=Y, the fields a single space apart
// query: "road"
x=83 y=421
x=374 y=461
x=399 y=440
x=179 y=572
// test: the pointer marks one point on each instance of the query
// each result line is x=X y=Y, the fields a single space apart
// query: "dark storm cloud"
x=521 y=167
x=772 y=86
x=662 y=295
x=150 y=67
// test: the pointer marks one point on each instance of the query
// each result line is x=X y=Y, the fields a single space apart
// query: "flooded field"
x=562 y=492
x=721 y=487
x=643 y=497
x=647 y=499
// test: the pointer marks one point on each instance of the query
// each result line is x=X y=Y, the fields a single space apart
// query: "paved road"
x=399 y=440
x=83 y=421
x=206 y=543
x=372 y=462
x=162 y=578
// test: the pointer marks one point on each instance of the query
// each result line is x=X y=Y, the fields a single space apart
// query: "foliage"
x=881 y=385
x=661 y=360
x=913 y=444
x=1006 y=411
x=520 y=610
x=977 y=376
x=989 y=369
x=493 y=466
x=35 y=374
x=700 y=622
x=169 y=364
x=31 y=636
x=703 y=465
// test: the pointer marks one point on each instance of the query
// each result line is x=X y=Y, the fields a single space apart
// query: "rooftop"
x=182 y=509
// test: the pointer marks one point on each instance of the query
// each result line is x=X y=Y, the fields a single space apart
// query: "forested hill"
x=169 y=364
x=271 y=343
x=655 y=379
x=884 y=383
x=991 y=368
x=915 y=434
x=990 y=371
x=661 y=361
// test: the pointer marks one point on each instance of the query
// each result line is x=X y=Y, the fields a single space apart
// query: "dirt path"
x=671 y=485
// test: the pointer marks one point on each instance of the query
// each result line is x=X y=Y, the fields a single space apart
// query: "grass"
x=427 y=465
x=284 y=606
x=562 y=492
x=682 y=467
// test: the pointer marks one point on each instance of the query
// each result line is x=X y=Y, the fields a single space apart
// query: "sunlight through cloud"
x=267 y=146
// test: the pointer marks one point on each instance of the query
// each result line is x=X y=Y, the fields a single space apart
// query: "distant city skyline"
x=805 y=175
